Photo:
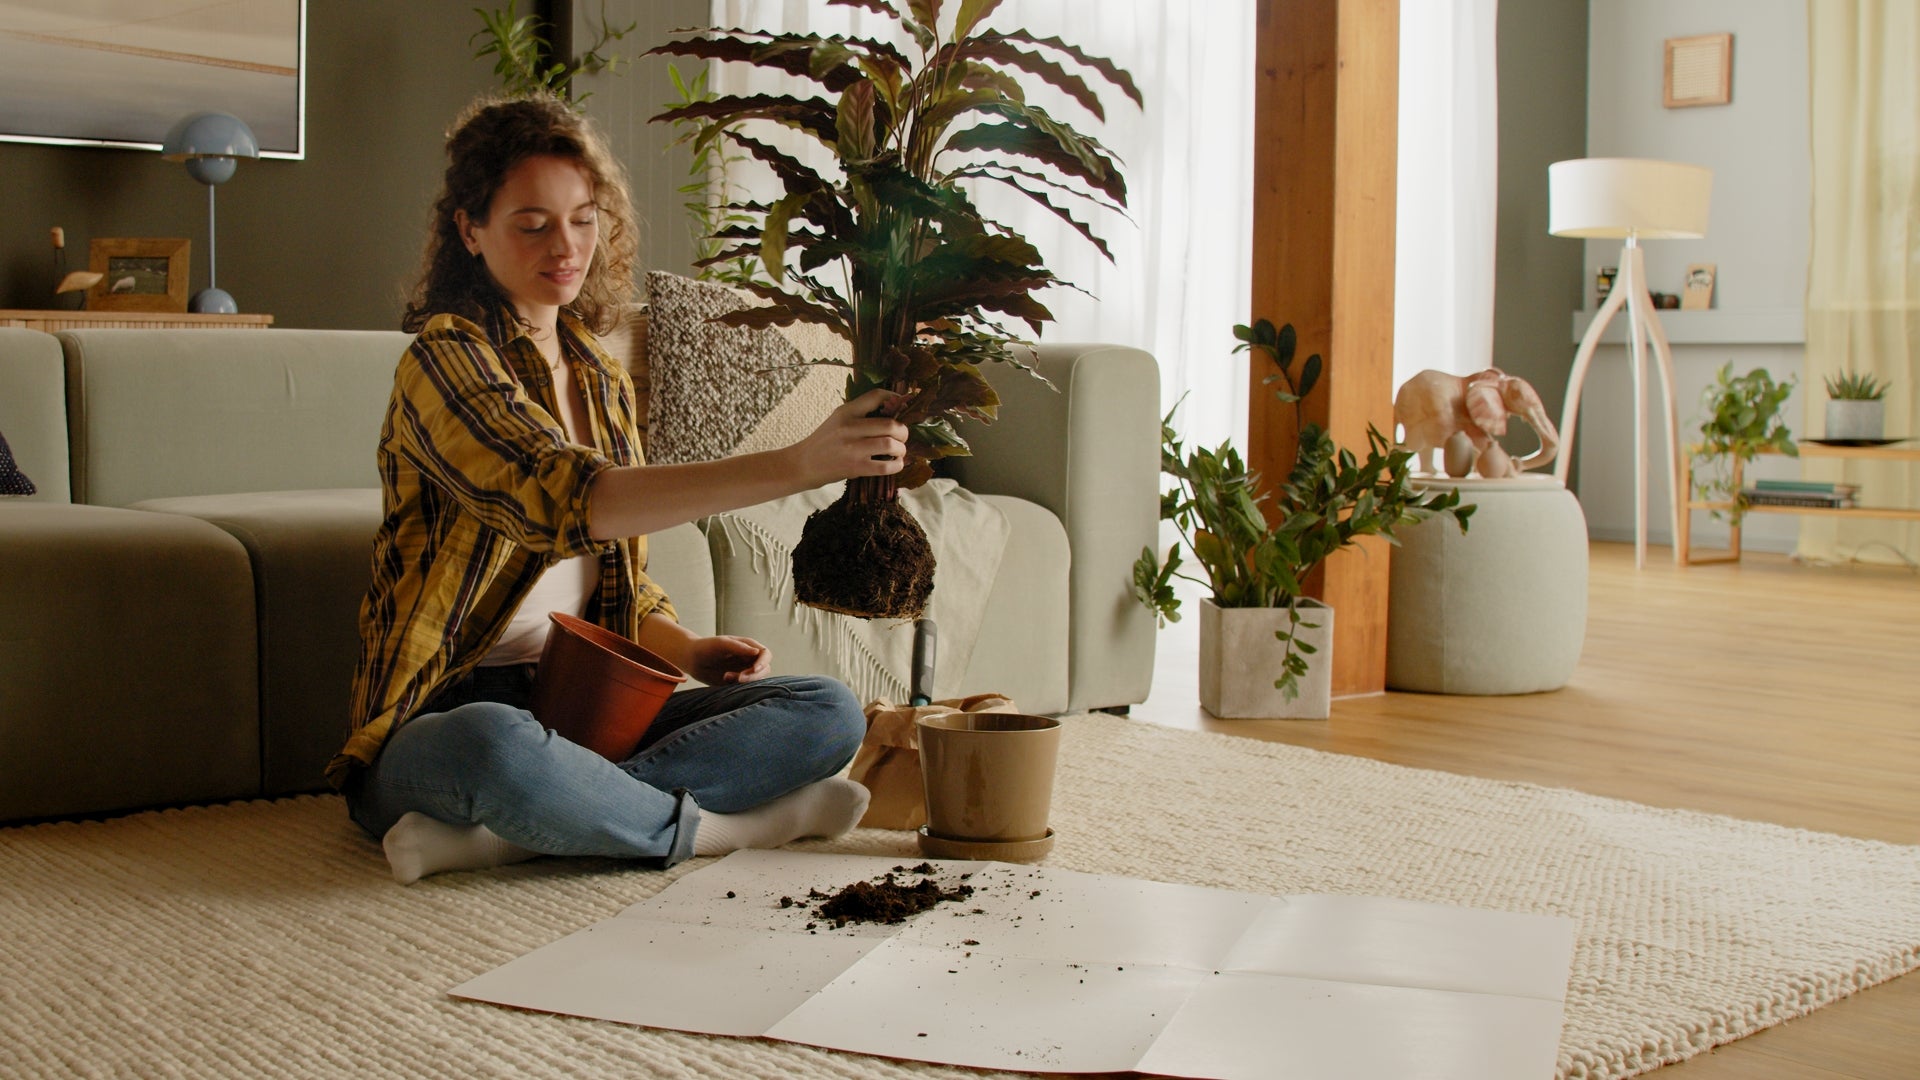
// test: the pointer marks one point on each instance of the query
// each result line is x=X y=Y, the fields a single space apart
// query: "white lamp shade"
x=1620 y=197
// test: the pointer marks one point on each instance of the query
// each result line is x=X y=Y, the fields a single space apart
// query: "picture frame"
x=1697 y=294
x=139 y=274
x=121 y=73
x=1698 y=70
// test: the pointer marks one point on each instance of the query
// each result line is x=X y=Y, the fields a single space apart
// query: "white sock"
x=823 y=808
x=418 y=845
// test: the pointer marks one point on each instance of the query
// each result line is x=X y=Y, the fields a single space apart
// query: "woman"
x=513 y=486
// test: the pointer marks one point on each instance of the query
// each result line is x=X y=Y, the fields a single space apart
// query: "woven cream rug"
x=266 y=939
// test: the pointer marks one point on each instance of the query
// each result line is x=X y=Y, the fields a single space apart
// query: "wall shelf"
x=1717 y=326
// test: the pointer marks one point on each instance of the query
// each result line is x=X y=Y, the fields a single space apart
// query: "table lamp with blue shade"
x=1630 y=200
x=210 y=143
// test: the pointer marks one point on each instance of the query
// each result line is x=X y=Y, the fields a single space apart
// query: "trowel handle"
x=925 y=639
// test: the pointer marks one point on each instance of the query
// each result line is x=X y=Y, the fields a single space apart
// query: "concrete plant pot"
x=1240 y=658
x=1853 y=418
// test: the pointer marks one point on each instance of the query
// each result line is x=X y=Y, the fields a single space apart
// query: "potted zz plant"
x=921 y=273
x=1856 y=409
x=1257 y=546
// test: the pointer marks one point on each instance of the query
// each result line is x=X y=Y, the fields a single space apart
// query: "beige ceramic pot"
x=989 y=784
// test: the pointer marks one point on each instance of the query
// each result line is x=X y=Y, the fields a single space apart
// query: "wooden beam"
x=1325 y=151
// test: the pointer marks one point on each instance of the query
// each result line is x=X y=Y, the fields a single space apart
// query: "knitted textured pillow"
x=12 y=480
x=718 y=390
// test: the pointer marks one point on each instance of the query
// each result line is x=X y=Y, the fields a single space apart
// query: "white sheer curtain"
x=1863 y=266
x=1448 y=191
x=1181 y=275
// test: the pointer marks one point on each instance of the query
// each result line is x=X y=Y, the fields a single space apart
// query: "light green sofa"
x=178 y=603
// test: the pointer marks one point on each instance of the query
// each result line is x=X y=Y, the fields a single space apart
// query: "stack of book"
x=1819 y=493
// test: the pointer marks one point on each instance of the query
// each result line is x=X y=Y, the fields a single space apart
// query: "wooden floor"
x=1767 y=690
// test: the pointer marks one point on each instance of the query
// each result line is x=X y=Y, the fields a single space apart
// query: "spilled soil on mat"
x=886 y=900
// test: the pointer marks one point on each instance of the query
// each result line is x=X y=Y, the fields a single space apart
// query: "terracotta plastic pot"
x=598 y=689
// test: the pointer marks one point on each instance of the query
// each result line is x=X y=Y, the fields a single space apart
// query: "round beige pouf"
x=1499 y=610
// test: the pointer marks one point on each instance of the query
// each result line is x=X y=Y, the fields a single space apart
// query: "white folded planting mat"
x=1055 y=970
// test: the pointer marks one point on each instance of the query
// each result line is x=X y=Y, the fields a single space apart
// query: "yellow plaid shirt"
x=482 y=492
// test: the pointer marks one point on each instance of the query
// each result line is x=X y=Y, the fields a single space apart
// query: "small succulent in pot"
x=1856 y=409
x=1856 y=386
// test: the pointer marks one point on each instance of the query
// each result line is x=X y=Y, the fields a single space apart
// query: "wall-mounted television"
x=122 y=72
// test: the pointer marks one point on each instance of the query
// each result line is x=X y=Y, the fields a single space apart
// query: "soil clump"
x=888 y=900
x=870 y=560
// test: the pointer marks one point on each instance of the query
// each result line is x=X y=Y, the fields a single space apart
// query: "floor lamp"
x=209 y=143
x=1630 y=199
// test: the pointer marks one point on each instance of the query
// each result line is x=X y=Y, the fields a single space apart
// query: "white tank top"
x=566 y=587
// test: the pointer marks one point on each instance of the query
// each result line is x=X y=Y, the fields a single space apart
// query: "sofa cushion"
x=679 y=562
x=718 y=390
x=999 y=599
x=311 y=553
x=33 y=409
x=1022 y=649
x=162 y=413
x=127 y=642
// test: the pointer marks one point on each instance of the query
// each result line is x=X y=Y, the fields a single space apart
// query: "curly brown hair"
x=489 y=139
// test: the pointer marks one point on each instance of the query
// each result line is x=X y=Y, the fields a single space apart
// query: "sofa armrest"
x=1089 y=451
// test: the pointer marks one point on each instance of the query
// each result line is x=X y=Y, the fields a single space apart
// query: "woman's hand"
x=851 y=442
x=727 y=659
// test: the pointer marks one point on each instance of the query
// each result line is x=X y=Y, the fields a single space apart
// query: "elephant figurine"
x=1462 y=415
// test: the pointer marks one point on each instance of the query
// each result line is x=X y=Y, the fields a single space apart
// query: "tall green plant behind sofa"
x=179 y=602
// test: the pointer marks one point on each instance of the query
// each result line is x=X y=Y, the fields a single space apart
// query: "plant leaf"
x=999 y=50
x=815 y=116
x=1040 y=197
x=1113 y=72
x=853 y=122
x=1043 y=146
x=971 y=13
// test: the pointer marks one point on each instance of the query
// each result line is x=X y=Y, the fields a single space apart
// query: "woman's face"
x=539 y=235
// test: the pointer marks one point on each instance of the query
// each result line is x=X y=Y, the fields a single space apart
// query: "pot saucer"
x=940 y=847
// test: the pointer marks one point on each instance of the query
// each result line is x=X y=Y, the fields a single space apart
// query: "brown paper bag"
x=888 y=763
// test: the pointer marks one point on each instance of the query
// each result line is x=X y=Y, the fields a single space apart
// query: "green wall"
x=327 y=242
x=1542 y=57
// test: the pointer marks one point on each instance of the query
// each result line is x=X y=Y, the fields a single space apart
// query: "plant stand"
x=1682 y=541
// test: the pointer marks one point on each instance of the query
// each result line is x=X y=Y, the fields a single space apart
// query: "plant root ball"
x=870 y=560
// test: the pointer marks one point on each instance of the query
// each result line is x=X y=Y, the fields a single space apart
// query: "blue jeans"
x=476 y=756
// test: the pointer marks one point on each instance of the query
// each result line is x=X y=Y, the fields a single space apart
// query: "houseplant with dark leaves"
x=891 y=251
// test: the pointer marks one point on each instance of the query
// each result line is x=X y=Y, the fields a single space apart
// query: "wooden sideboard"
x=50 y=321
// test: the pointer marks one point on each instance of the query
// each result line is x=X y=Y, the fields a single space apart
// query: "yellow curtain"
x=1863 y=274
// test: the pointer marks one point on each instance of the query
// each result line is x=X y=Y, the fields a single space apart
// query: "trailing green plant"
x=922 y=274
x=1856 y=386
x=523 y=56
x=1257 y=546
x=709 y=193
x=1742 y=418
